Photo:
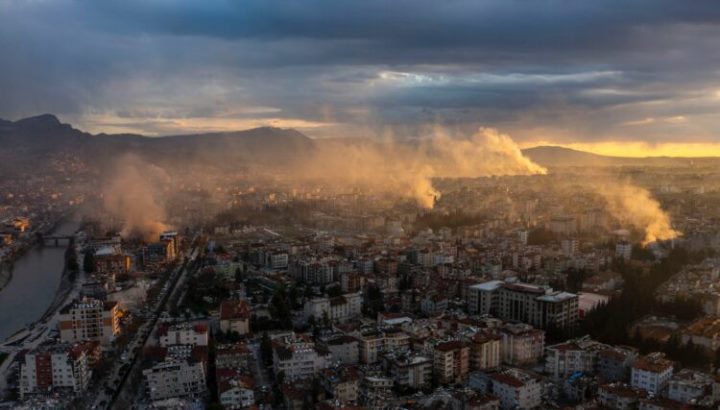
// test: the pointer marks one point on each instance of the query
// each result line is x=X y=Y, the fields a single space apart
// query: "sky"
x=632 y=77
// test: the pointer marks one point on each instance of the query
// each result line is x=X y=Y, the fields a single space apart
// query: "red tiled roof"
x=234 y=309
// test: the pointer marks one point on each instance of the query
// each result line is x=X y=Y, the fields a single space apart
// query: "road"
x=121 y=372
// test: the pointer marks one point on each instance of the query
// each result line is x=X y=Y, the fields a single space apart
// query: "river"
x=36 y=277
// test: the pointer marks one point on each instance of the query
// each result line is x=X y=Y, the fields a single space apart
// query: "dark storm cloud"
x=589 y=67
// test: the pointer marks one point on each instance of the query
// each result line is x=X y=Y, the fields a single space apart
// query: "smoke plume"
x=635 y=206
x=408 y=169
x=131 y=195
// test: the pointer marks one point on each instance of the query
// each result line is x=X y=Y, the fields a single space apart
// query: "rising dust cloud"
x=406 y=169
x=635 y=206
x=131 y=195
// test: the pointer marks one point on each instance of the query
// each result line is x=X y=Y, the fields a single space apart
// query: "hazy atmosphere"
x=341 y=205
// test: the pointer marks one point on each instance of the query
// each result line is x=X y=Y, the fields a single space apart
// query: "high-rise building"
x=89 y=319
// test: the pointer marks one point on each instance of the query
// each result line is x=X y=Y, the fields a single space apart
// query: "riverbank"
x=67 y=283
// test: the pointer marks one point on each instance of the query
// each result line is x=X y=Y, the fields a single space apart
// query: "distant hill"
x=30 y=143
x=36 y=138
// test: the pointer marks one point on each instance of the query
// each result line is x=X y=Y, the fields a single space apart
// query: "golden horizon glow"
x=109 y=123
x=640 y=149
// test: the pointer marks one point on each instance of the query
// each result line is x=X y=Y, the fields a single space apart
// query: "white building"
x=235 y=317
x=343 y=348
x=651 y=373
x=49 y=368
x=517 y=389
x=374 y=342
x=692 y=387
x=175 y=378
x=236 y=393
x=409 y=370
x=536 y=305
x=184 y=334
x=299 y=357
x=521 y=344
x=89 y=319
x=579 y=355
x=340 y=308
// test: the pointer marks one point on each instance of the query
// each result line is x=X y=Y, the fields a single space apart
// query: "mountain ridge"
x=43 y=134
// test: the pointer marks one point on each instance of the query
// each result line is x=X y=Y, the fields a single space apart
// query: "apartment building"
x=651 y=373
x=53 y=368
x=175 y=378
x=451 y=361
x=89 y=319
x=539 y=306
x=517 y=389
x=579 y=355
x=481 y=297
x=299 y=357
x=344 y=348
x=184 y=334
x=410 y=370
x=614 y=363
x=620 y=396
x=374 y=342
x=485 y=347
x=521 y=344
x=338 y=309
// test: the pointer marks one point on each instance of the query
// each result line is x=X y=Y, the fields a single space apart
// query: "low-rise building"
x=232 y=356
x=235 y=317
x=184 y=334
x=651 y=372
x=614 y=363
x=173 y=378
x=619 y=396
x=235 y=391
x=344 y=348
x=517 y=389
x=694 y=388
x=342 y=383
x=340 y=308
x=704 y=332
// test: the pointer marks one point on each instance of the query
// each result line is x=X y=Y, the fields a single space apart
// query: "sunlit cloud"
x=111 y=123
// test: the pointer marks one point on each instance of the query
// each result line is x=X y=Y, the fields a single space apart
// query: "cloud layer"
x=552 y=70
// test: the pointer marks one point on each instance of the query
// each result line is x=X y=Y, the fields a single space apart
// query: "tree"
x=89 y=261
x=266 y=349
x=334 y=291
x=280 y=308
